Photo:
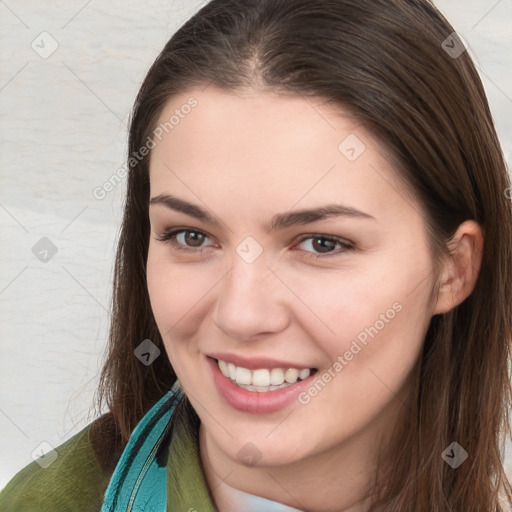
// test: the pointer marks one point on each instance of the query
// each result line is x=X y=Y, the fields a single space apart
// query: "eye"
x=316 y=246
x=324 y=245
x=188 y=240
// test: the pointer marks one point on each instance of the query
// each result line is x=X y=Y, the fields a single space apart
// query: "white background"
x=63 y=127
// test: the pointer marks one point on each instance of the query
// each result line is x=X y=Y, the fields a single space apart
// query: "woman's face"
x=261 y=284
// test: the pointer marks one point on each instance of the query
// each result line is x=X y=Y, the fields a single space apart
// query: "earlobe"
x=460 y=272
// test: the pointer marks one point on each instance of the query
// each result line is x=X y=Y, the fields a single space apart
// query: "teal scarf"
x=139 y=482
x=140 y=479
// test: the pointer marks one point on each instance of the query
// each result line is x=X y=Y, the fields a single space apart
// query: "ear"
x=460 y=272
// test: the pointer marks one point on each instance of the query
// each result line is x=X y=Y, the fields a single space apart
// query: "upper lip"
x=255 y=363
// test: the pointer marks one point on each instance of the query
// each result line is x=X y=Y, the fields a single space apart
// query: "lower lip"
x=254 y=401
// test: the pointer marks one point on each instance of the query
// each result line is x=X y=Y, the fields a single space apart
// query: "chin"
x=252 y=451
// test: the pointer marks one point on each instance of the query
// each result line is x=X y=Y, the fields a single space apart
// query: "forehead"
x=263 y=145
x=246 y=121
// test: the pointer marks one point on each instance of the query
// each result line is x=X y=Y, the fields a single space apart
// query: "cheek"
x=371 y=360
x=339 y=305
x=177 y=293
x=370 y=326
x=161 y=282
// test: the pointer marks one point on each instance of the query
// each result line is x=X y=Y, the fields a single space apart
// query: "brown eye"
x=317 y=246
x=193 y=238
x=184 y=239
x=323 y=245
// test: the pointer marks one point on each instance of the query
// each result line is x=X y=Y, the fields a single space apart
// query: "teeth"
x=291 y=375
x=276 y=376
x=231 y=371
x=223 y=367
x=304 y=374
x=243 y=376
x=263 y=389
x=262 y=379
x=259 y=378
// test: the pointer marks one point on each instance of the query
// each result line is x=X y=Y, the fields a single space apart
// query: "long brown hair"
x=399 y=68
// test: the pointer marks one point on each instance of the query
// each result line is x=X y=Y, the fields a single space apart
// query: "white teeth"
x=243 y=376
x=262 y=379
x=291 y=375
x=276 y=376
x=232 y=371
x=263 y=389
x=304 y=374
x=223 y=368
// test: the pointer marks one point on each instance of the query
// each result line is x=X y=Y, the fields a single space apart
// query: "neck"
x=342 y=474
x=231 y=499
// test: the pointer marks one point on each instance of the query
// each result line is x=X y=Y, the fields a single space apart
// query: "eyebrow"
x=279 y=221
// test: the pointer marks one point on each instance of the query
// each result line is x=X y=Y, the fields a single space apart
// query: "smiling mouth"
x=263 y=379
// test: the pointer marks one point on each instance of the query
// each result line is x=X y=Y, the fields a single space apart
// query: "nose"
x=250 y=301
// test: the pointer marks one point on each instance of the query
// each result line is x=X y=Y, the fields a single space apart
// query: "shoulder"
x=75 y=481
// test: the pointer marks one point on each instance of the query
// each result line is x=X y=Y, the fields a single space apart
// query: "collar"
x=187 y=490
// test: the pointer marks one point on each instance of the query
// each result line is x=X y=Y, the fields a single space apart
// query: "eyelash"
x=169 y=237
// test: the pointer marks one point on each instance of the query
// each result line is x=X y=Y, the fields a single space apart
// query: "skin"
x=243 y=158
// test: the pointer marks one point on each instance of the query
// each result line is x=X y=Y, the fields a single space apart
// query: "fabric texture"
x=187 y=489
x=159 y=470
x=139 y=480
x=73 y=482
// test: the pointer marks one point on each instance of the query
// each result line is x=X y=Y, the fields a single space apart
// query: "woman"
x=312 y=291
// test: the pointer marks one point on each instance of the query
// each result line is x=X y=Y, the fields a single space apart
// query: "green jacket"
x=77 y=482
x=159 y=470
x=35 y=489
